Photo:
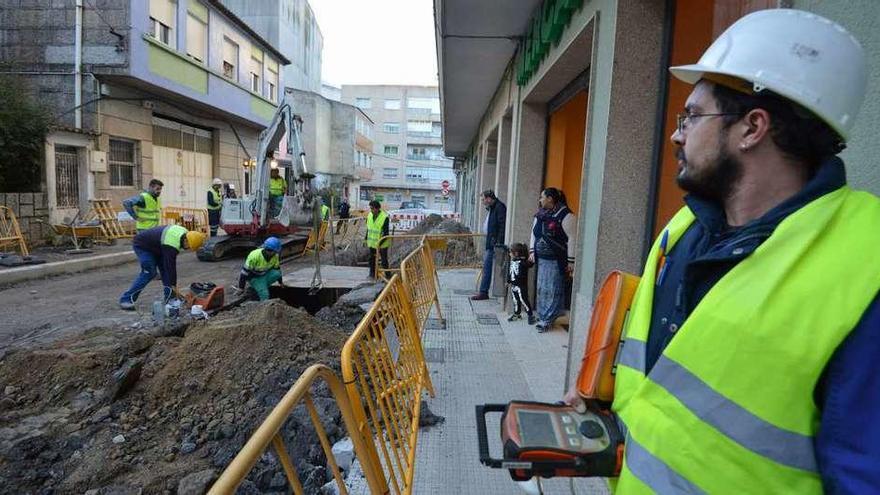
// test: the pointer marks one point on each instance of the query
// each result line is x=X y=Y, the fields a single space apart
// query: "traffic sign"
x=444 y=192
x=445 y=184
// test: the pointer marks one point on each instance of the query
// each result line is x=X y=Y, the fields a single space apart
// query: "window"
x=393 y=197
x=432 y=104
x=436 y=129
x=389 y=173
x=272 y=80
x=365 y=194
x=122 y=163
x=391 y=127
x=163 y=14
x=230 y=59
x=362 y=102
x=419 y=128
x=416 y=153
x=392 y=104
x=197 y=31
x=441 y=199
x=256 y=70
x=363 y=127
x=418 y=198
x=390 y=150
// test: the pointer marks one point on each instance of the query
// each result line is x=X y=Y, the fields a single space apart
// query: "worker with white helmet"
x=748 y=364
x=215 y=205
x=157 y=249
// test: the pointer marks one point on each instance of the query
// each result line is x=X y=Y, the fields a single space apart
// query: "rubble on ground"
x=351 y=307
x=118 y=411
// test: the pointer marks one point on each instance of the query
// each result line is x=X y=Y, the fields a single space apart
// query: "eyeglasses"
x=685 y=120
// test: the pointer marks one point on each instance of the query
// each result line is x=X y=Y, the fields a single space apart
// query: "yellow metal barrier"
x=350 y=232
x=269 y=432
x=10 y=233
x=191 y=218
x=384 y=369
x=420 y=277
x=312 y=242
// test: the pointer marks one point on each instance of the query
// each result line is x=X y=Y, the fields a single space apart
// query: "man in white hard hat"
x=748 y=364
x=215 y=205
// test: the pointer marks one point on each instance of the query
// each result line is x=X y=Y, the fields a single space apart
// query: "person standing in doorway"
x=277 y=190
x=146 y=208
x=552 y=243
x=377 y=228
x=493 y=226
x=215 y=206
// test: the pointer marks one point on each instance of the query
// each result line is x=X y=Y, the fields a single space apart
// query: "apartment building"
x=338 y=142
x=408 y=165
x=174 y=90
x=291 y=27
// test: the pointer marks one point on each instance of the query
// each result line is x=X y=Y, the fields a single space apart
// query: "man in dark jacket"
x=494 y=229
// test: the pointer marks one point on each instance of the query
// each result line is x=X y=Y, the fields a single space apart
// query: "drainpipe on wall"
x=77 y=65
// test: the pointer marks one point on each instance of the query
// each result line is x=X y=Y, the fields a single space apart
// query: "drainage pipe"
x=77 y=65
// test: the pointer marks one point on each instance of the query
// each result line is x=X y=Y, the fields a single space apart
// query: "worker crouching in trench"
x=262 y=268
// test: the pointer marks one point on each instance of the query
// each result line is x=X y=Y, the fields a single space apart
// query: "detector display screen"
x=536 y=429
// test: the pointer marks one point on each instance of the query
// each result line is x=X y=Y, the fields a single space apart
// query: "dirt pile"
x=457 y=252
x=120 y=412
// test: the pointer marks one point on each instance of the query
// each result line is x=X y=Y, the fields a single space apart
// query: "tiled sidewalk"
x=480 y=359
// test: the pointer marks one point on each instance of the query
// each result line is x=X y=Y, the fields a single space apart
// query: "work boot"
x=479 y=297
x=542 y=327
x=532 y=319
x=515 y=317
x=128 y=306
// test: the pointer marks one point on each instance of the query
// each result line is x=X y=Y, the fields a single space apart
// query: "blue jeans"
x=551 y=290
x=149 y=263
x=486 y=280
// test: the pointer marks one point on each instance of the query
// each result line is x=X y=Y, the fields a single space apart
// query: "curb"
x=24 y=273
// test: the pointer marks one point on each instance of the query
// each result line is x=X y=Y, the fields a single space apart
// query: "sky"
x=377 y=41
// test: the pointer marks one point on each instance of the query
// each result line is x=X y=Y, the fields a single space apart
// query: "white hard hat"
x=218 y=182
x=799 y=55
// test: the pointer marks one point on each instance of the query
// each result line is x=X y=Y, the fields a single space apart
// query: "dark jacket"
x=848 y=443
x=150 y=240
x=497 y=221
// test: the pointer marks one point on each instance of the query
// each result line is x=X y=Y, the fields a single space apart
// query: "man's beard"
x=715 y=182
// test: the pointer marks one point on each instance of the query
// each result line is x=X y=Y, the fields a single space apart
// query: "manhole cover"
x=435 y=324
x=435 y=355
x=487 y=319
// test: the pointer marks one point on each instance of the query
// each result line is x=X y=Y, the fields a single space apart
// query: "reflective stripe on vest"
x=277 y=186
x=256 y=262
x=148 y=215
x=729 y=404
x=172 y=235
x=374 y=230
x=217 y=199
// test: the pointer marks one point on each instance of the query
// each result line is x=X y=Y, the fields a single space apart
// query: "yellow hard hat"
x=195 y=239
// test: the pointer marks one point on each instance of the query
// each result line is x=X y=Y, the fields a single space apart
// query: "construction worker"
x=262 y=268
x=749 y=360
x=146 y=208
x=377 y=227
x=157 y=249
x=325 y=210
x=277 y=189
x=215 y=205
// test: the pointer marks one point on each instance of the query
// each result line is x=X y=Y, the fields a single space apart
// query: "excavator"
x=250 y=219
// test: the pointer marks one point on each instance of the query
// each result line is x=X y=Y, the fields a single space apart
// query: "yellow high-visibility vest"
x=374 y=230
x=148 y=215
x=728 y=407
x=217 y=199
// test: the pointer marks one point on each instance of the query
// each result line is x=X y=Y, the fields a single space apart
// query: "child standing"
x=518 y=278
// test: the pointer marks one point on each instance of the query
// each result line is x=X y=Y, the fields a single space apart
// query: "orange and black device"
x=550 y=440
x=547 y=440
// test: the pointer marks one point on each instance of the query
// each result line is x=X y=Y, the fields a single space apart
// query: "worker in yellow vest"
x=749 y=356
x=157 y=249
x=377 y=227
x=277 y=190
x=262 y=268
x=325 y=211
x=215 y=206
x=145 y=208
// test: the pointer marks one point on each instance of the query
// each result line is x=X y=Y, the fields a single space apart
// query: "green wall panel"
x=174 y=68
x=262 y=108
